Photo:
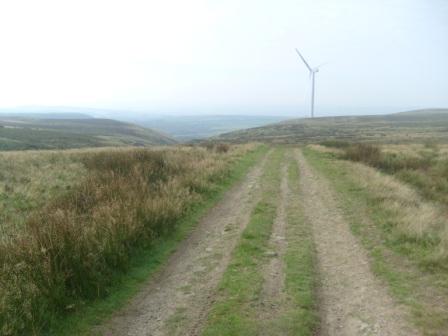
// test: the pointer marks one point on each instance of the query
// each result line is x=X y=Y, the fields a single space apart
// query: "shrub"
x=217 y=147
x=335 y=143
x=210 y=146
x=388 y=162
x=222 y=148
x=366 y=153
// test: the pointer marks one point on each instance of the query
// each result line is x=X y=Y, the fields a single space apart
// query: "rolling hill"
x=411 y=126
x=40 y=132
x=190 y=127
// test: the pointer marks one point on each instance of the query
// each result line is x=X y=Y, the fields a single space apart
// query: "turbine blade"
x=303 y=59
x=321 y=65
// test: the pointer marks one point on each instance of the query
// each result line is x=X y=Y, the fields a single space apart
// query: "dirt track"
x=176 y=301
x=352 y=300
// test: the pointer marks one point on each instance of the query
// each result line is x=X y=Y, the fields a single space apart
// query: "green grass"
x=148 y=261
x=400 y=260
x=301 y=317
x=234 y=312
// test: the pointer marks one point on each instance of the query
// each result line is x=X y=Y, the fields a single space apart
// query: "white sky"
x=233 y=55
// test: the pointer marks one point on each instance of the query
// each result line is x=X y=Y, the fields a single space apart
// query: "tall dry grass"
x=420 y=205
x=30 y=179
x=413 y=217
x=417 y=217
x=69 y=250
x=423 y=167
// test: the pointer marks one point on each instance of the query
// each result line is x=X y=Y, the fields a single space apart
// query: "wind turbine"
x=312 y=74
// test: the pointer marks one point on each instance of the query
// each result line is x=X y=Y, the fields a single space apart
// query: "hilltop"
x=409 y=126
x=36 y=131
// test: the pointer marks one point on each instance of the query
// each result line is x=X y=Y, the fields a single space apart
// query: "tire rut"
x=273 y=298
x=352 y=301
x=177 y=299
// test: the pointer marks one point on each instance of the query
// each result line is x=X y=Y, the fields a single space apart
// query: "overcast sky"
x=224 y=56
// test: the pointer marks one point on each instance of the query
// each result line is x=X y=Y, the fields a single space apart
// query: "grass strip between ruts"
x=234 y=311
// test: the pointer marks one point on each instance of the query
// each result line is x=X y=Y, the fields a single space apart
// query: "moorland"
x=332 y=225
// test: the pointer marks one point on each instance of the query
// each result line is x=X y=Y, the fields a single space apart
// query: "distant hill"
x=418 y=125
x=185 y=128
x=48 y=115
x=58 y=112
x=41 y=132
x=422 y=113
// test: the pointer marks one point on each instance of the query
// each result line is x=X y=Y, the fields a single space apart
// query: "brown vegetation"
x=425 y=169
x=219 y=147
x=28 y=180
x=404 y=232
x=420 y=203
x=69 y=250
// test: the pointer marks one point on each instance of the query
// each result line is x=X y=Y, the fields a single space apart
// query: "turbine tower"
x=312 y=76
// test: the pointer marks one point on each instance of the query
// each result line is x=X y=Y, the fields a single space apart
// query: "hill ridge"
x=415 y=125
x=18 y=133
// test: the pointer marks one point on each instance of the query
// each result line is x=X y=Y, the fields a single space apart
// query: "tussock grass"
x=28 y=181
x=418 y=220
x=70 y=250
x=425 y=167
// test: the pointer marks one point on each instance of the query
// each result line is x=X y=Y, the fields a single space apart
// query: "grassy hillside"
x=18 y=133
x=413 y=126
